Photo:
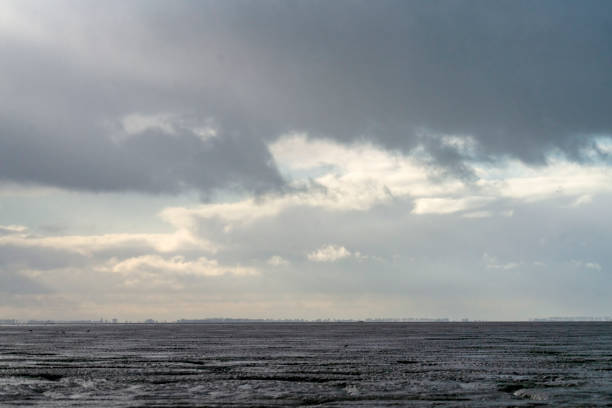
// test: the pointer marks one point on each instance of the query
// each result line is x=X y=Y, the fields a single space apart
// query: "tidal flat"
x=307 y=364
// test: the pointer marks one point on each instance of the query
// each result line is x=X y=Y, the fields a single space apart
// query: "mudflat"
x=307 y=364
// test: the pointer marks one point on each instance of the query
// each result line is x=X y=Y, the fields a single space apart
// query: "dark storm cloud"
x=150 y=161
x=522 y=78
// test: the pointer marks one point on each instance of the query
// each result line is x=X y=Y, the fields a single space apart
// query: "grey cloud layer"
x=522 y=78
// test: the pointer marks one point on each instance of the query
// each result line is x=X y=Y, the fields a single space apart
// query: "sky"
x=305 y=159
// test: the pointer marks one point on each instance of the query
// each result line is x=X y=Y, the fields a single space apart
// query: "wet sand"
x=307 y=364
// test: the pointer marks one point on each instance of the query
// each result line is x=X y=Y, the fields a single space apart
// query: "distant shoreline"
x=17 y=322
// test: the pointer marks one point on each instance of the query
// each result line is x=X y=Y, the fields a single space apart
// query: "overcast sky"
x=305 y=159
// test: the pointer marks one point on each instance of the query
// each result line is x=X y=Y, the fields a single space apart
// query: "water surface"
x=304 y=364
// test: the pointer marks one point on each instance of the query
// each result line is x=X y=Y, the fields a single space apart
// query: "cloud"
x=151 y=160
x=582 y=200
x=448 y=205
x=88 y=244
x=492 y=262
x=138 y=269
x=441 y=256
x=12 y=229
x=277 y=260
x=586 y=265
x=477 y=214
x=195 y=105
x=329 y=253
x=134 y=123
x=593 y=265
x=12 y=282
x=335 y=177
x=423 y=134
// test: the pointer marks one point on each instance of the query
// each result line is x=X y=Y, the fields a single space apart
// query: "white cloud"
x=156 y=271
x=465 y=145
x=137 y=123
x=177 y=265
x=206 y=131
x=448 y=205
x=89 y=244
x=329 y=253
x=593 y=265
x=478 y=214
x=237 y=212
x=12 y=229
x=583 y=199
x=586 y=264
x=168 y=123
x=277 y=260
x=492 y=262
x=559 y=178
x=357 y=177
